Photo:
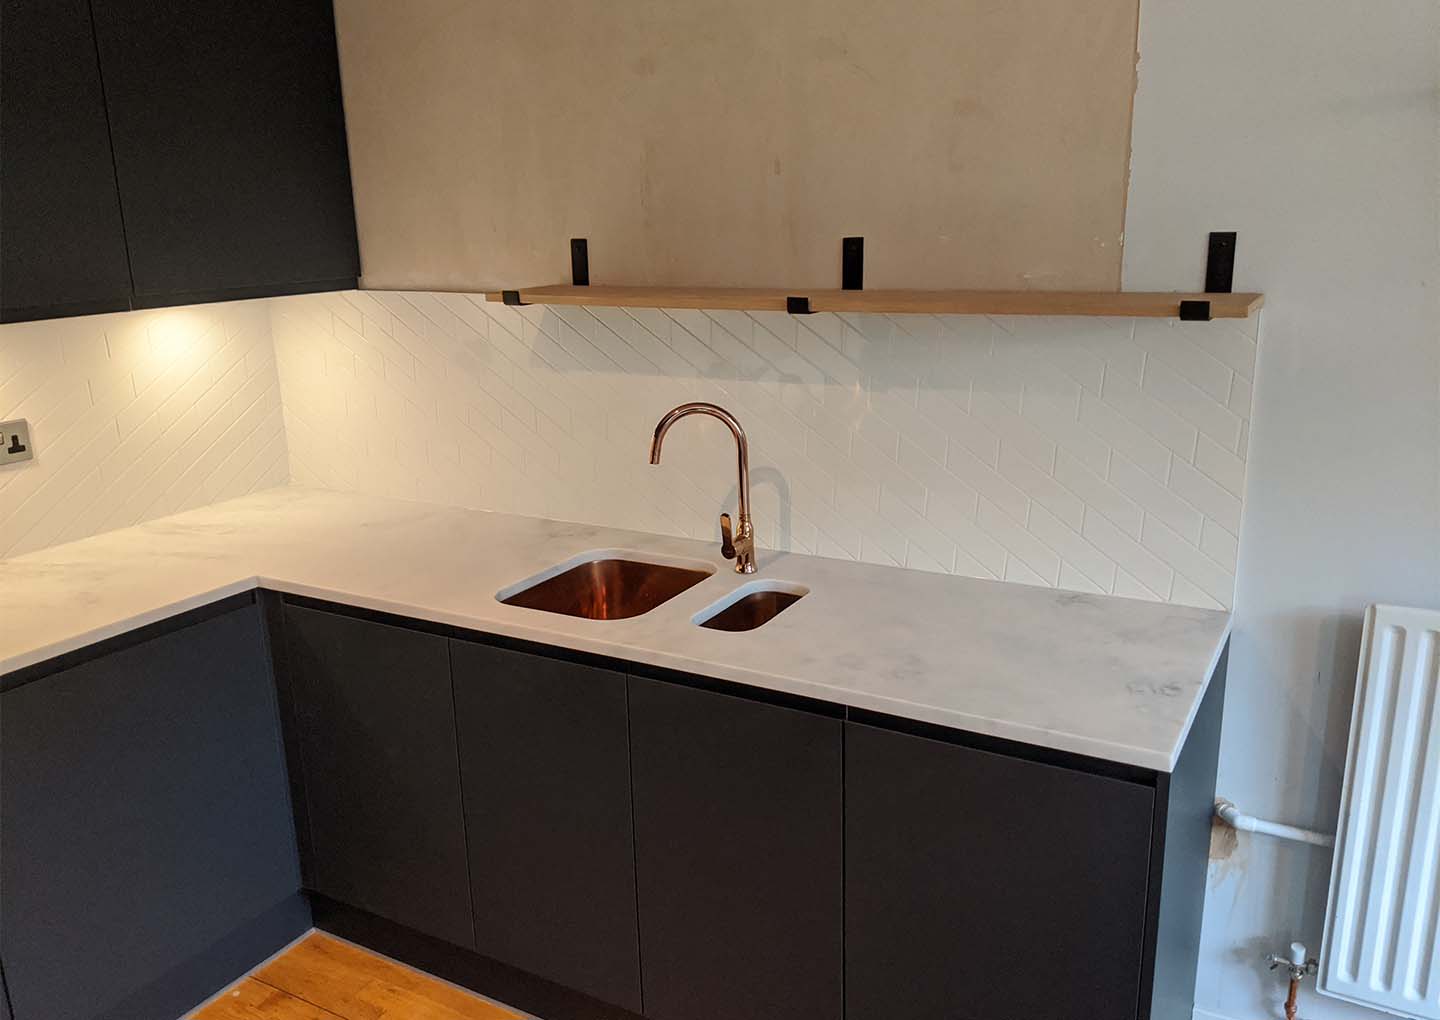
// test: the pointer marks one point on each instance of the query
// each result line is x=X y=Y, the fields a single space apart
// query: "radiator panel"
x=1382 y=925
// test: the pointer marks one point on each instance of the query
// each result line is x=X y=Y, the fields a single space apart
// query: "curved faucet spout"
x=743 y=546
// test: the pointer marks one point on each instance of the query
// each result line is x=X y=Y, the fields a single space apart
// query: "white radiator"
x=1382 y=947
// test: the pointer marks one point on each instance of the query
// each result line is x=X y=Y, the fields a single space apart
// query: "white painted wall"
x=1311 y=128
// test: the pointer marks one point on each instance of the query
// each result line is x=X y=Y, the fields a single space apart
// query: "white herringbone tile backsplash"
x=1087 y=454
x=135 y=415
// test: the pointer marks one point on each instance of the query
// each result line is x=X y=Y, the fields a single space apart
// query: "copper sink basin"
x=756 y=606
x=612 y=588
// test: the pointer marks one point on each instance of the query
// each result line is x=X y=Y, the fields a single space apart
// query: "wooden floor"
x=322 y=978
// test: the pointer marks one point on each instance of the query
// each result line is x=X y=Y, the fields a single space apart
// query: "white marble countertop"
x=1097 y=675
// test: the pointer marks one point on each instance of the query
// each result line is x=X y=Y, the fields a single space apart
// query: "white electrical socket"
x=15 y=444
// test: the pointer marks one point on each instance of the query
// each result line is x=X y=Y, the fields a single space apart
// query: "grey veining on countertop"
x=1093 y=674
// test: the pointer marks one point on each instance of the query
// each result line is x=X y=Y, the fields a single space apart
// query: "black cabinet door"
x=376 y=731
x=982 y=887
x=738 y=856
x=229 y=141
x=62 y=247
x=545 y=768
x=144 y=821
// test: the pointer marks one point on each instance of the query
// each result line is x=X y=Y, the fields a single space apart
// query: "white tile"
x=1033 y=449
x=1186 y=594
x=1155 y=498
x=1241 y=396
x=1220 y=465
x=1170 y=341
x=988 y=482
x=1150 y=570
x=1207 y=414
x=1013 y=429
x=1124 y=435
x=1041 y=487
x=1212 y=499
x=1189 y=561
x=918 y=531
x=1099 y=494
x=939 y=483
x=1019 y=542
x=1220 y=545
x=942 y=408
x=1072 y=579
x=984 y=555
x=1127 y=586
x=1074 y=550
x=1151 y=415
x=1227 y=342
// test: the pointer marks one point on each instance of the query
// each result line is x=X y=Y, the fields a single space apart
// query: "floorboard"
x=322 y=978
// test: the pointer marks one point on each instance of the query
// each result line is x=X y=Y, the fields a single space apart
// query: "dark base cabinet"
x=582 y=838
x=147 y=854
x=375 y=722
x=981 y=887
x=545 y=767
x=739 y=856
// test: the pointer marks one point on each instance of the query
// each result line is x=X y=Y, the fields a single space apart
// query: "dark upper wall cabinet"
x=62 y=245
x=375 y=722
x=158 y=152
x=147 y=853
x=229 y=141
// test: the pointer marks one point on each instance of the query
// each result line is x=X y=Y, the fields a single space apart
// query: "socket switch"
x=15 y=444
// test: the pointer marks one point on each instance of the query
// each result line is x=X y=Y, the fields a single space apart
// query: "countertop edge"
x=1106 y=750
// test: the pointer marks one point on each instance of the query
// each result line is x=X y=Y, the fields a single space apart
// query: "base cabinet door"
x=375 y=723
x=545 y=768
x=144 y=826
x=984 y=887
x=738 y=848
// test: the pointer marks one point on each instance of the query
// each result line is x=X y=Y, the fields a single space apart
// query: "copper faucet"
x=741 y=546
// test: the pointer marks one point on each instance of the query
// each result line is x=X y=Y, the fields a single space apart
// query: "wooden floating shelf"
x=1155 y=305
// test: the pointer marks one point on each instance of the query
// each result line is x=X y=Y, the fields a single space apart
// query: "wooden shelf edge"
x=1154 y=305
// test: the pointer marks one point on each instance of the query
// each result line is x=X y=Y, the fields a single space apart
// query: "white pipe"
x=1237 y=819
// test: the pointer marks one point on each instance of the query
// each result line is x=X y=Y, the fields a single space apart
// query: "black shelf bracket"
x=1219 y=275
x=797 y=305
x=579 y=262
x=1220 y=263
x=512 y=297
x=1195 y=311
x=852 y=263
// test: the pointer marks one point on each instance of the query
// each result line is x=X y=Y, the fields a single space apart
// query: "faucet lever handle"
x=727 y=541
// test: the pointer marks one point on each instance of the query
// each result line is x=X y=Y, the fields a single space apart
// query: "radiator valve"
x=1298 y=965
